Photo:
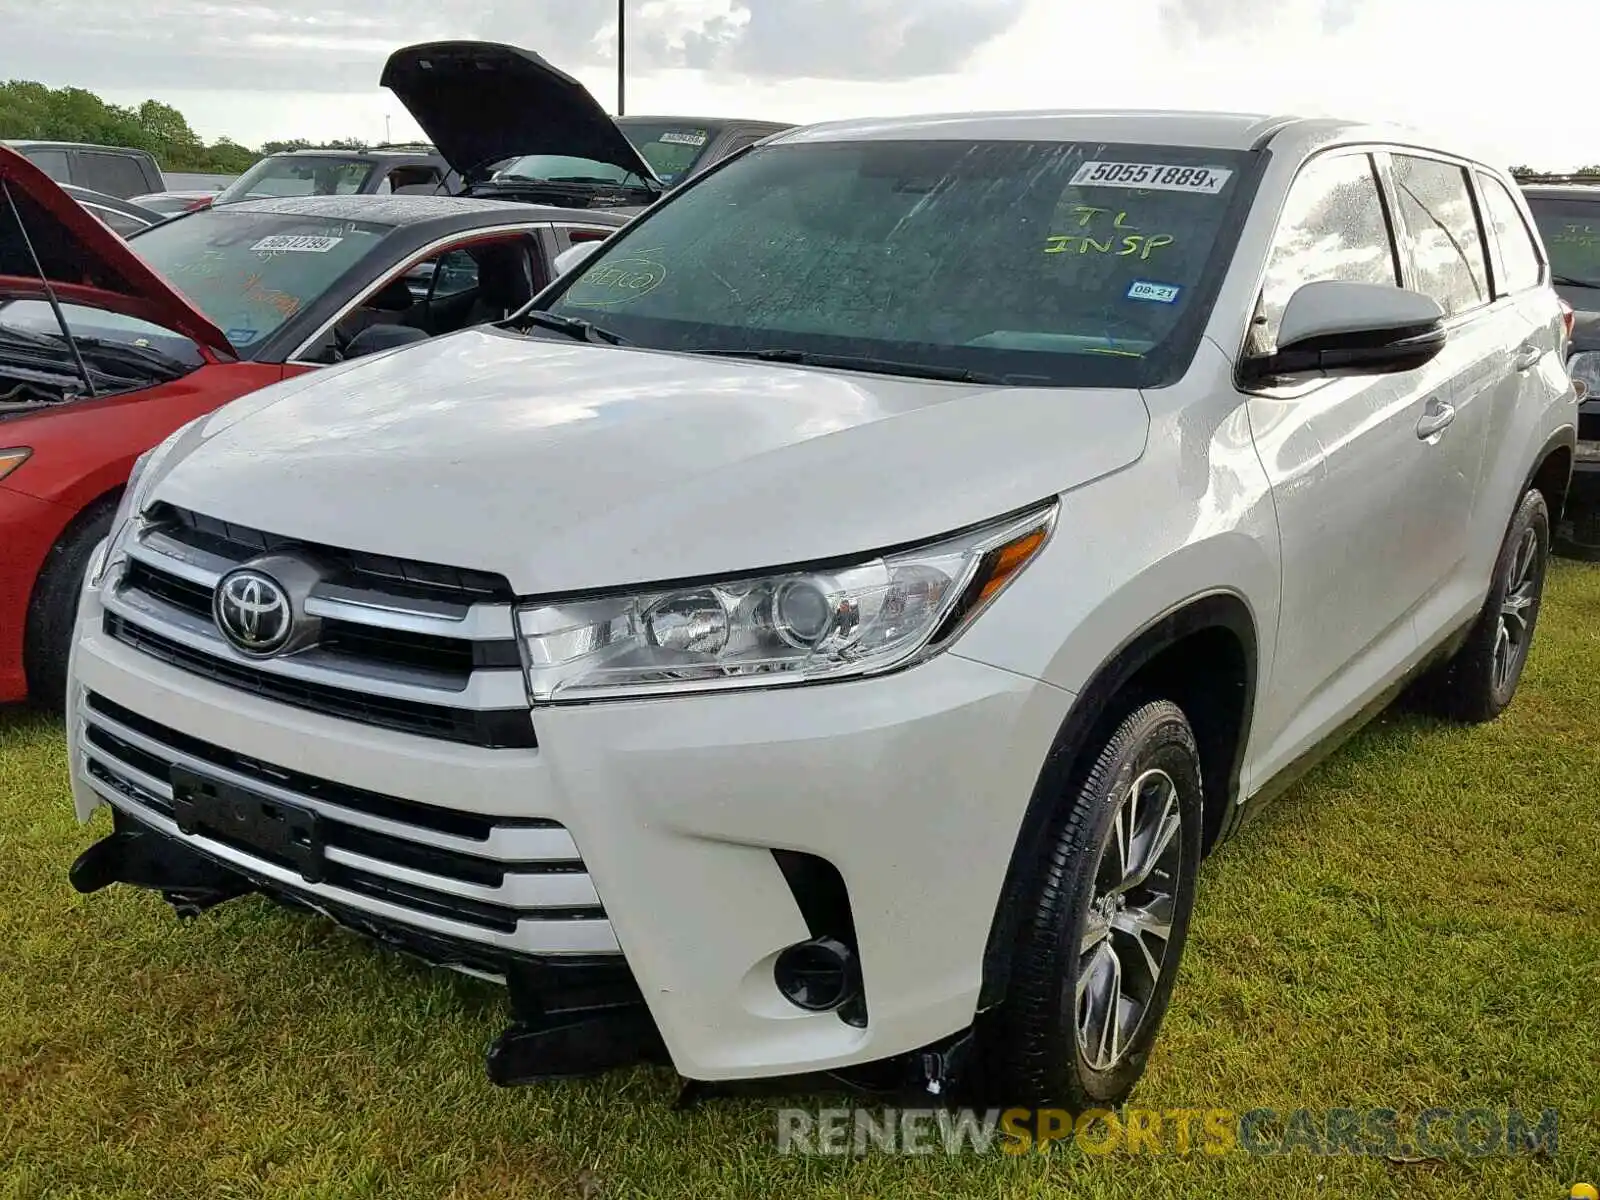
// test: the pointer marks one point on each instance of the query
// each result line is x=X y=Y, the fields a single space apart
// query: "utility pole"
x=622 y=53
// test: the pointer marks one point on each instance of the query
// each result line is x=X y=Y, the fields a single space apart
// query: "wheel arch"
x=1203 y=654
x=1551 y=475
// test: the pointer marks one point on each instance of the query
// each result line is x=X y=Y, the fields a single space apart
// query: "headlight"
x=788 y=627
x=1584 y=367
x=13 y=458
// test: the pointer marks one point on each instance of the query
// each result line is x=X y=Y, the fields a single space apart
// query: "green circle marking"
x=617 y=282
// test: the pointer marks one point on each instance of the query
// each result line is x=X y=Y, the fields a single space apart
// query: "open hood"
x=483 y=102
x=83 y=259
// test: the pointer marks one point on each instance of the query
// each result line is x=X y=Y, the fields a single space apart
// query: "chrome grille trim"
x=552 y=908
x=443 y=641
x=484 y=689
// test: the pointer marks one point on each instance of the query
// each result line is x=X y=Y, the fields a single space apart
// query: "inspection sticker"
x=309 y=242
x=1157 y=177
x=682 y=139
x=1161 y=293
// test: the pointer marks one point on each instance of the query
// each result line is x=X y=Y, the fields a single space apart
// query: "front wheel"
x=1105 y=926
x=54 y=608
x=1478 y=683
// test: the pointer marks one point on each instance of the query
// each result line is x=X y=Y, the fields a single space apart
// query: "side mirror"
x=1339 y=327
x=374 y=338
x=575 y=256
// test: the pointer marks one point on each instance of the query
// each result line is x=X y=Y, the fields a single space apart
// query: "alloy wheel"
x=1514 y=632
x=1123 y=949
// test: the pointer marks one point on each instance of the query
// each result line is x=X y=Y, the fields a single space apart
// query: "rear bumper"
x=662 y=817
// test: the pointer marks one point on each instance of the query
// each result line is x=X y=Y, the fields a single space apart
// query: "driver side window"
x=1333 y=226
x=452 y=290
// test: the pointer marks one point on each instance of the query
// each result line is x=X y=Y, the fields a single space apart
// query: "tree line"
x=32 y=110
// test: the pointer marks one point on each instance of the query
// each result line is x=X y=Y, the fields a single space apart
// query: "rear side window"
x=114 y=174
x=1446 y=247
x=1520 y=263
x=53 y=163
x=1333 y=227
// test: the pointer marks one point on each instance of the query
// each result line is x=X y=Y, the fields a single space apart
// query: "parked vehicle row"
x=1567 y=210
x=826 y=628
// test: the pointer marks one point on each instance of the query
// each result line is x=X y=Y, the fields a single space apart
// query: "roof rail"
x=1591 y=177
x=428 y=146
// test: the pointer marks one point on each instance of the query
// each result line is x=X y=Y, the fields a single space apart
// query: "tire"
x=54 y=606
x=1478 y=682
x=1031 y=1051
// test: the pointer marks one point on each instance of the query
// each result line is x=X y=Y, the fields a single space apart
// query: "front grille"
x=408 y=646
x=496 y=729
x=516 y=883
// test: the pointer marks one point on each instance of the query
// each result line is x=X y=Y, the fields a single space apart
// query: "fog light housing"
x=820 y=975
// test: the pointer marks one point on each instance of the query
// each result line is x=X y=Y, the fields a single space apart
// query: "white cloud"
x=1483 y=70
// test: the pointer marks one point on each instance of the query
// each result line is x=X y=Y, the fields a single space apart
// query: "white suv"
x=831 y=625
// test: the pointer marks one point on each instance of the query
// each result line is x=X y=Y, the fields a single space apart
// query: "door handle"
x=1435 y=417
x=1527 y=357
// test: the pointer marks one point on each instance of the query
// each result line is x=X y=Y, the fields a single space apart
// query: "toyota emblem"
x=253 y=612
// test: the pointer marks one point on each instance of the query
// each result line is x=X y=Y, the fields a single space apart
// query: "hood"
x=482 y=102
x=84 y=260
x=566 y=466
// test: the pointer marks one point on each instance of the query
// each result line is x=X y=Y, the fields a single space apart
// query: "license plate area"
x=247 y=820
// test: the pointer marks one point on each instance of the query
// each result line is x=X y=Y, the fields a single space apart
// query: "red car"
x=271 y=288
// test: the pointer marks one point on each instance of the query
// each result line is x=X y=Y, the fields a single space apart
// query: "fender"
x=1104 y=699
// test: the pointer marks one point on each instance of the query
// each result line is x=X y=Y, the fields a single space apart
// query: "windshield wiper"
x=583 y=331
x=125 y=354
x=1574 y=281
x=863 y=363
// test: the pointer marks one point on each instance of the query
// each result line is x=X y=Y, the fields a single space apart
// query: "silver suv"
x=833 y=622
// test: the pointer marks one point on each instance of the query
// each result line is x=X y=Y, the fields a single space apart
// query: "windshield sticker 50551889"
x=1156 y=177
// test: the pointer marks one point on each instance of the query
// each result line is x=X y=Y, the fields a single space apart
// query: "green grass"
x=1417 y=924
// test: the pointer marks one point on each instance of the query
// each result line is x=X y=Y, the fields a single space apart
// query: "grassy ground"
x=1418 y=924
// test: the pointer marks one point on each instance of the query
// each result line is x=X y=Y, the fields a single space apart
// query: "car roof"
x=401 y=211
x=1563 y=191
x=642 y=118
x=40 y=144
x=373 y=152
x=1212 y=130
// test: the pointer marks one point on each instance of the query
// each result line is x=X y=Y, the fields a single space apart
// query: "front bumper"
x=662 y=816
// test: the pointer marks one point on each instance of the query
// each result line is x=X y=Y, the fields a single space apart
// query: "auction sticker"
x=682 y=139
x=1161 y=293
x=1156 y=177
x=307 y=242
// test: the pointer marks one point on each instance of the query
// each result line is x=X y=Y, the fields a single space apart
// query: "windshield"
x=1571 y=232
x=559 y=168
x=671 y=150
x=1041 y=262
x=251 y=272
x=298 y=175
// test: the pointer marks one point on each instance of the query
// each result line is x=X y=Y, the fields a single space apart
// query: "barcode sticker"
x=310 y=243
x=1159 y=177
x=682 y=139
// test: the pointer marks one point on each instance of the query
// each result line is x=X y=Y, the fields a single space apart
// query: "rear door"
x=1472 y=384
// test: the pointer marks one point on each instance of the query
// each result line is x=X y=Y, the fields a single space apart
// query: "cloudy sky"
x=1485 y=70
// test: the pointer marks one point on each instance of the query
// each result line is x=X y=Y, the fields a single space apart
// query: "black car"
x=119 y=171
x=382 y=170
x=1567 y=210
x=515 y=127
x=307 y=281
x=125 y=217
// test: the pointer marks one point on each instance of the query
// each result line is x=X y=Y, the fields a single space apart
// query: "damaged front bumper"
x=652 y=883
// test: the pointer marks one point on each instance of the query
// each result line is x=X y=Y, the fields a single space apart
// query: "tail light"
x=205 y=202
x=1567 y=321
